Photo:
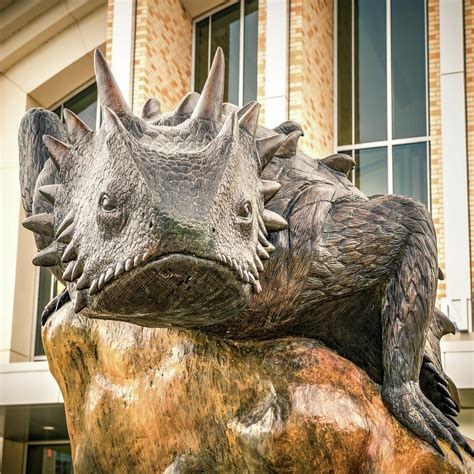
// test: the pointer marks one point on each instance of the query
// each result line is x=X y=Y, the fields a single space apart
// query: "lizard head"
x=161 y=220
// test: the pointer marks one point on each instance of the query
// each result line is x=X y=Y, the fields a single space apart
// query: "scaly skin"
x=168 y=221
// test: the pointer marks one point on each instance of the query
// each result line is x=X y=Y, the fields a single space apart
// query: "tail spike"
x=151 y=108
x=42 y=224
x=209 y=106
x=108 y=90
x=249 y=120
x=76 y=128
x=56 y=148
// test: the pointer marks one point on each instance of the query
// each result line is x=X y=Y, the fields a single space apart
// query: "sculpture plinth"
x=147 y=400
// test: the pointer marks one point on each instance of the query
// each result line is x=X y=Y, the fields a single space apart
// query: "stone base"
x=157 y=400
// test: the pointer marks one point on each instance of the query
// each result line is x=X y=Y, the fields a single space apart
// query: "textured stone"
x=157 y=400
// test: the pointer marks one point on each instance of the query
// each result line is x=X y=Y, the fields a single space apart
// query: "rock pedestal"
x=157 y=400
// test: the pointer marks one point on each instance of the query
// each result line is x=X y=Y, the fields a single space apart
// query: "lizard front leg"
x=408 y=306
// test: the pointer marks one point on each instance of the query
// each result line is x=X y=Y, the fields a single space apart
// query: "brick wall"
x=469 y=64
x=434 y=84
x=162 y=59
x=262 y=25
x=311 y=61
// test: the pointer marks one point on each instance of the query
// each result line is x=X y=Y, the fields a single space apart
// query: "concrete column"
x=276 y=62
x=455 y=186
x=13 y=102
x=123 y=30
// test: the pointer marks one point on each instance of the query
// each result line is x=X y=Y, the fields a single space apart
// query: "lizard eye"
x=106 y=204
x=245 y=211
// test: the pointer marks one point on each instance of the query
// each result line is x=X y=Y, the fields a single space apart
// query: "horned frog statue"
x=200 y=225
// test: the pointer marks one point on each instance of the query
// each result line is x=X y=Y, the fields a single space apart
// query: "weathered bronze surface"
x=141 y=400
x=199 y=219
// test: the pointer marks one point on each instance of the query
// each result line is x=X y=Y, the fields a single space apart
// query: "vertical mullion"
x=335 y=77
x=193 y=57
x=353 y=75
x=427 y=107
x=241 y=53
x=209 y=46
x=389 y=98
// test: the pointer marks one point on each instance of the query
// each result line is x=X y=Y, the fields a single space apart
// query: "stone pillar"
x=453 y=125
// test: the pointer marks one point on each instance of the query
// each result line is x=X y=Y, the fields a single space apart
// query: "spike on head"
x=267 y=147
x=187 y=104
x=49 y=192
x=209 y=106
x=76 y=128
x=108 y=90
x=56 y=148
x=151 y=108
x=249 y=120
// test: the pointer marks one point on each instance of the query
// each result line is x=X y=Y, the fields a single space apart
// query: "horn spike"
x=151 y=108
x=81 y=300
x=76 y=128
x=340 y=162
x=267 y=147
x=67 y=274
x=270 y=188
x=56 y=148
x=111 y=121
x=48 y=257
x=273 y=221
x=49 y=192
x=66 y=235
x=249 y=120
x=83 y=282
x=70 y=253
x=108 y=90
x=77 y=270
x=42 y=224
x=290 y=145
x=65 y=223
x=262 y=253
x=231 y=126
x=209 y=106
x=188 y=104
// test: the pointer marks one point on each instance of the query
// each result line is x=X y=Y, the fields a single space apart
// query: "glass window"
x=250 y=50
x=408 y=68
x=49 y=459
x=224 y=29
x=344 y=72
x=370 y=75
x=371 y=172
x=83 y=104
x=366 y=92
x=409 y=171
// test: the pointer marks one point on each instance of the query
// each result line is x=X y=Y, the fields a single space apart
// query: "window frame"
x=389 y=143
x=208 y=14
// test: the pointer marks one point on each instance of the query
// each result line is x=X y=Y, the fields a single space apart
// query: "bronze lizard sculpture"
x=201 y=219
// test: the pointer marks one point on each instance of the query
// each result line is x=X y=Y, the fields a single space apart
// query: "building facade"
x=390 y=82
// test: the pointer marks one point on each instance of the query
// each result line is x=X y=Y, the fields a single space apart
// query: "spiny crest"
x=63 y=252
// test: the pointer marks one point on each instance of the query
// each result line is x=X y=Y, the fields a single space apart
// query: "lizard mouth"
x=174 y=290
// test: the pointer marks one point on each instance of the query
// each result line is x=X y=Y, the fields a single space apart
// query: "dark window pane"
x=49 y=458
x=201 y=54
x=84 y=105
x=408 y=68
x=344 y=72
x=371 y=172
x=44 y=295
x=225 y=32
x=410 y=171
x=250 y=50
x=370 y=71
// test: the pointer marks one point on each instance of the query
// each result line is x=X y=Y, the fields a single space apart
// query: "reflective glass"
x=84 y=105
x=371 y=172
x=410 y=171
x=49 y=458
x=250 y=50
x=225 y=32
x=370 y=58
x=344 y=72
x=201 y=54
x=408 y=68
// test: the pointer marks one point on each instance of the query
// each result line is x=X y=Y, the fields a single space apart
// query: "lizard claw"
x=414 y=411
